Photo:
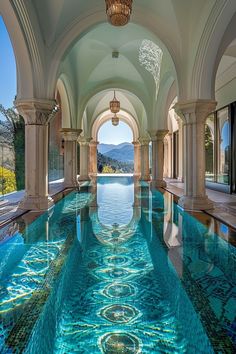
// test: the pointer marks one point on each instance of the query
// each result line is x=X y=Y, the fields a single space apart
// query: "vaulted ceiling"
x=71 y=40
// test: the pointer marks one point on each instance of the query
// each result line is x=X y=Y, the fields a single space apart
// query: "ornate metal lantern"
x=115 y=120
x=115 y=105
x=118 y=11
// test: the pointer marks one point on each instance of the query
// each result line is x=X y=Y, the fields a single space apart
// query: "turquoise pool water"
x=117 y=268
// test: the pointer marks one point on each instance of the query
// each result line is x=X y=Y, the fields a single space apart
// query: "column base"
x=72 y=184
x=137 y=176
x=158 y=183
x=146 y=178
x=196 y=203
x=36 y=203
x=84 y=178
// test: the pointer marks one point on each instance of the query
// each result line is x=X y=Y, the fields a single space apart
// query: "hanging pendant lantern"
x=115 y=105
x=115 y=120
x=118 y=11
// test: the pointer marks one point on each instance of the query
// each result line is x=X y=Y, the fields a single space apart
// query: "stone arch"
x=65 y=104
x=163 y=104
x=98 y=123
x=133 y=103
x=124 y=86
x=219 y=31
x=24 y=60
x=123 y=116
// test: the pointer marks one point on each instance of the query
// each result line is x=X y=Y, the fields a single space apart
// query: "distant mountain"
x=123 y=153
x=104 y=148
x=117 y=166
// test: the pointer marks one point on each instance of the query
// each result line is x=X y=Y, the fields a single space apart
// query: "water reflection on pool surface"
x=117 y=268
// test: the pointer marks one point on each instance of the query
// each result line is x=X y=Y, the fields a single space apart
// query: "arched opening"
x=12 y=139
x=115 y=148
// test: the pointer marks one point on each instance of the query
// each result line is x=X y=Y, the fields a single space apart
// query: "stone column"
x=168 y=153
x=158 y=158
x=70 y=137
x=145 y=173
x=37 y=114
x=181 y=150
x=93 y=158
x=153 y=137
x=194 y=114
x=137 y=164
x=84 y=158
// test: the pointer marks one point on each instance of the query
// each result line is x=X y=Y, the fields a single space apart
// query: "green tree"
x=7 y=181
x=209 y=150
x=12 y=132
x=107 y=169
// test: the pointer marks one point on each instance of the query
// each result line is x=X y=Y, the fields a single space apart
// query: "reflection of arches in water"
x=76 y=202
x=114 y=235
x=115 y=198
x=125 y=180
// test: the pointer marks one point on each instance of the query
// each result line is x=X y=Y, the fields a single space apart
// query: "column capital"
x=179 y=121
x=70 y=134
x=136 y=143
x=194 y=111
x=160 y=134
x=153 y=134
x=94 y=143
x=83 y=141
x=36 y=111
x=144 y=141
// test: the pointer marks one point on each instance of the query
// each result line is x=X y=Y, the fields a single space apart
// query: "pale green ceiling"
x=90 y=67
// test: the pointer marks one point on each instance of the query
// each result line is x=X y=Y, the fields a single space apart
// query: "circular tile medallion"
x=119 y=313
x=118 y=273
x=119 y=290
x=117 y=260
x=120 y=343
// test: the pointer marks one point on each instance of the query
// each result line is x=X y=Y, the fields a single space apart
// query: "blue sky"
x=108 y=134
x=7 y=68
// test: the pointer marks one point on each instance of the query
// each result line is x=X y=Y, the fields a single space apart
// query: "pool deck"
x=224 y=204
x=9 y=203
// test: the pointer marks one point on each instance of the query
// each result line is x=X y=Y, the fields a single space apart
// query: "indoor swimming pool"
x=117 y=268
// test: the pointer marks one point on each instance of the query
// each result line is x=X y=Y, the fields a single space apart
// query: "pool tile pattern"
x=114 y=289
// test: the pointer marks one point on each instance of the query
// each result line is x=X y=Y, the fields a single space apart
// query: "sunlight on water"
x=140 y=276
